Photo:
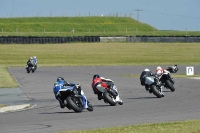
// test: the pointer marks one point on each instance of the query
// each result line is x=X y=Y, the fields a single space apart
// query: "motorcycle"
x=166 y=78
x=154 y=85
x=111 y=95
x=73 y=100
x=30 y=67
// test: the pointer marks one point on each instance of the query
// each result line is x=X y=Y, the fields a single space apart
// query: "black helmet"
x=96 y=76
x=60 y=79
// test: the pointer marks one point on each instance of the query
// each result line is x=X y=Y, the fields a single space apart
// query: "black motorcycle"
x=73 y=99
x=154 y=86
x=30 y=67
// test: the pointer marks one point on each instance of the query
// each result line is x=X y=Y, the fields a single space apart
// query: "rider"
x=144 y=74
x=35 y=61
x=160 y=71
x=61 y=84
x=99 y=84
x=30 y=60
x=148 y=73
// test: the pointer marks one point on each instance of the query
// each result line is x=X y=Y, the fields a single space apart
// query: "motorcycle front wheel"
x=108 y=98
x=169 y=85
x=73 y=105
x=155 y=91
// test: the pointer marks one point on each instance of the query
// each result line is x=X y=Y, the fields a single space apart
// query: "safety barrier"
x=50 y=40
x=44 y=40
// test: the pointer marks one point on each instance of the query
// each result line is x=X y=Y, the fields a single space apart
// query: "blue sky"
x=161 y=14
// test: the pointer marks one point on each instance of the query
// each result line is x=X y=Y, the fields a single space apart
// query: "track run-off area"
x=140 y=107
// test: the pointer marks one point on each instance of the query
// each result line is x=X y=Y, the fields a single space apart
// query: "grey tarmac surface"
x=139 y=107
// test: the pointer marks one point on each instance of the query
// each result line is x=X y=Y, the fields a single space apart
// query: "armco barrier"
x=50 y=40
x=46 y=40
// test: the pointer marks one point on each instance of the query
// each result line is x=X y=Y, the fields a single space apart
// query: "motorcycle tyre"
x=33 y=70
x=107 y=98
x=169 y=85
x=155 y=91
x=28 y=70
x=73 y=105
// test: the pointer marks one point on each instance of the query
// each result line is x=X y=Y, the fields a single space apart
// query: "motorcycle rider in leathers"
x=144 y=74
x=61 y=80
x=99 y=85
x=160 y=71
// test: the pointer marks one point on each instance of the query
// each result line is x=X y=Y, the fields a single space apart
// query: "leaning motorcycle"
x=166 y=78
x=155 y=85
x=30 y=67
x=73 y=99
x=111 y=95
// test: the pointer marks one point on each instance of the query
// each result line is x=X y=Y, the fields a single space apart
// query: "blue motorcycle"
x=72 y=97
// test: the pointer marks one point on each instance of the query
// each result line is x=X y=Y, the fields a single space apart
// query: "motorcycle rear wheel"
x=156 y=91
x=109 y=99
x=169 y=85
x=73 y=105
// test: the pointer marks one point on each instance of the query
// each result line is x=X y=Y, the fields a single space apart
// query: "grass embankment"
x=83 y=26
x=96 y=54
x=191 y=126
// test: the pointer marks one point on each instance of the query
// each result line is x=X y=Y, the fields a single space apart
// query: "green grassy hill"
x=78 y=26
x=62 y=26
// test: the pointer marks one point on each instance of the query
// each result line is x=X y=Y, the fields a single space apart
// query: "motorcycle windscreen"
x=149 y=80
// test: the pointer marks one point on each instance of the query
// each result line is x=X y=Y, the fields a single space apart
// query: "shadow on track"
x=142 y=98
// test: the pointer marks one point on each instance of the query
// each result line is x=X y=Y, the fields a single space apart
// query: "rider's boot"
x=147 y=87
x=100 y=96
x=89 y=106
x=61 y=102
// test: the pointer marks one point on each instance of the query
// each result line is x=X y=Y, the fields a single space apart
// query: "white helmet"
x=147 y=70
x=158 y=68
x=31 y=58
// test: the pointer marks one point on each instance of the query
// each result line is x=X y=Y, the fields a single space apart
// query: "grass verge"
x=190 y=126
x=2 y=105
x=6 y=80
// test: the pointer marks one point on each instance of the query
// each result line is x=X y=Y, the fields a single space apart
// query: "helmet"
x=34 y=56
x=158 y=67
x=147 y=70
x=31 y=58
x=96 y=76
x=60 y=79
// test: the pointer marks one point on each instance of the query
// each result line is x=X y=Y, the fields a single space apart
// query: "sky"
x=162 y=14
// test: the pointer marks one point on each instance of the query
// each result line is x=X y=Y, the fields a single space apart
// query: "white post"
x=186 y=31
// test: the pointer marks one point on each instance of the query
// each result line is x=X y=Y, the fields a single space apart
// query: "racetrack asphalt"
x=139 y=107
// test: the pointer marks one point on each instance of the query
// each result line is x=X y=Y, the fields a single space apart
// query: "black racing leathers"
x=143 y=75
